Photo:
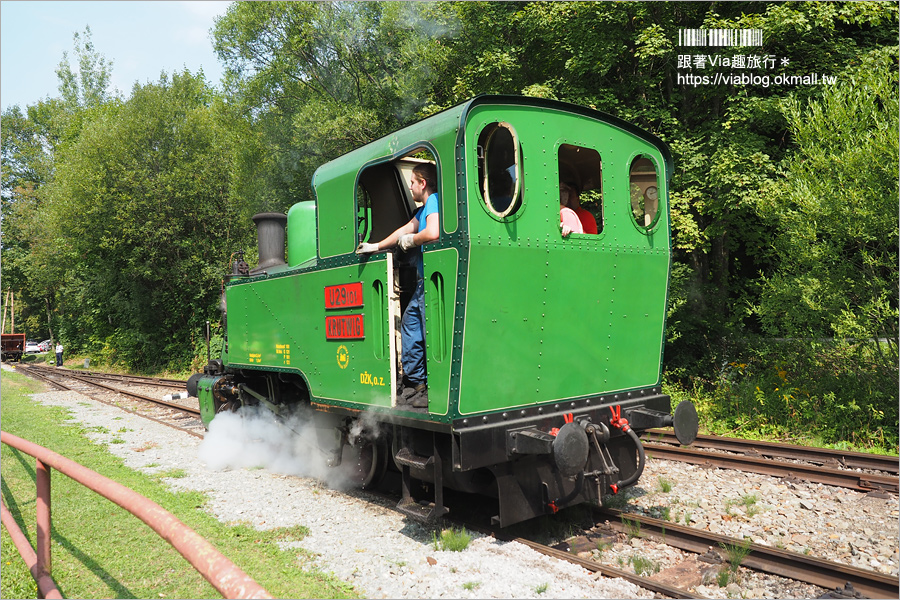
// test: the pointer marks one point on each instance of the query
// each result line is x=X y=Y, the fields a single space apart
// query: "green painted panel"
x=440 y=310
x=549 y=318
x=280 y=324
x=540 y=139
x=301 y=233
x=563 y=324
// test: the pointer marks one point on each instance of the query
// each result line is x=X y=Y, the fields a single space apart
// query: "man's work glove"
x=366 y=248
x=406 y=241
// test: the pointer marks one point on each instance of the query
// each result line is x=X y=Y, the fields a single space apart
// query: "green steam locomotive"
x=543 y=351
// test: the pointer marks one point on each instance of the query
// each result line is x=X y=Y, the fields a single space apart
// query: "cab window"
x=383 y=199
x=644 y=187
x=499 y=171
x=580 y=172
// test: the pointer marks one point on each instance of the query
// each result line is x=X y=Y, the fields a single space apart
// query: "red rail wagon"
x=12 y=346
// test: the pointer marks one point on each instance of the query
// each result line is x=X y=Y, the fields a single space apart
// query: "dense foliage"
x=120 y=214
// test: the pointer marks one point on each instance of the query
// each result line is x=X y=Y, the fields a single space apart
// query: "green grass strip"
x=100 y=550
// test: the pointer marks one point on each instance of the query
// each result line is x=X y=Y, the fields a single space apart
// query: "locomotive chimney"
x=270 y=238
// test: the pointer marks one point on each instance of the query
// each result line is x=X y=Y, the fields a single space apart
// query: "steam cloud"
x=252 y=437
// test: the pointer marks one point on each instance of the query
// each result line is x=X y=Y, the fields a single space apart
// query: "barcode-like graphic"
x=720 y=37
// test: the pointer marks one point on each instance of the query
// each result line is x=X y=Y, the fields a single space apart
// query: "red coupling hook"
x=553 y=508
x=617 y=420
x=614 y=488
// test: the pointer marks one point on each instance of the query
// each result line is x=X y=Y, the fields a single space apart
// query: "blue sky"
x=140 y=38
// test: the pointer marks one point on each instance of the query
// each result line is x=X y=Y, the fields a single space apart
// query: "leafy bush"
x=810 y=391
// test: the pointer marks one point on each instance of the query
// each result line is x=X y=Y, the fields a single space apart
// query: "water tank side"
x=301 y=233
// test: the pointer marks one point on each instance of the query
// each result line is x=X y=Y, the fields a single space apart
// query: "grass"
x=632 y=527
x=102 y=551
x=452 y=540
x=644 y=567
x=736 y=554
x=748 y=502
x=829 y=394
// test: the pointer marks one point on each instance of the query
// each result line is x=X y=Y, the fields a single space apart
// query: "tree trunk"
x=49 y=323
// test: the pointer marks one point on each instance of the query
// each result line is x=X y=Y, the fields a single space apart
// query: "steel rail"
x=136 y=379
x=62 y=386
x=87 y=379
x=226 y=577
x=589 y=565
x=40 y=376
x=824 y=456
x=594 y=567
x=776 y=561
x=854 y=480
x=158 y=381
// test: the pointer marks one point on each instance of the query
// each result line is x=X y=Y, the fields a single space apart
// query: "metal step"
x=421 y=511
x=414 y=461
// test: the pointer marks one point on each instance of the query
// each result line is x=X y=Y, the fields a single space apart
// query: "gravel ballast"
x=362 y=540
x=353 y=535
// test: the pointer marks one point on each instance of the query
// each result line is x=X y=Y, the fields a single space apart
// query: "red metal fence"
x=228 y=579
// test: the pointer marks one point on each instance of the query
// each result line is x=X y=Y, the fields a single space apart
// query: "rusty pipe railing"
x=228 y=579
x=46 y=586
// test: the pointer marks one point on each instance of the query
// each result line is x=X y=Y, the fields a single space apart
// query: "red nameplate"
x=349 y=295
x=344 y=327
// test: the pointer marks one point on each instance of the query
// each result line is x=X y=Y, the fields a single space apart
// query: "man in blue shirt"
x=423 y=228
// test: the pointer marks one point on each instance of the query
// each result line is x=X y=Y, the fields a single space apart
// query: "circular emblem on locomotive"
x=343 y=356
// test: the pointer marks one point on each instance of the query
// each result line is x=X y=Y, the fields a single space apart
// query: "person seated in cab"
x=568 y=220
x=588 y=222
x=422 y=229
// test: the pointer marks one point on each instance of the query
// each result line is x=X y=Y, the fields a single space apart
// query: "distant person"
x=568 y=221
x=59 y=351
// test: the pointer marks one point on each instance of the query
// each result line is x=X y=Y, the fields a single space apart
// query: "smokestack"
x=270 y=236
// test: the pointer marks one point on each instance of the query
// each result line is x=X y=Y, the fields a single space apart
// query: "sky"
x=141 y=39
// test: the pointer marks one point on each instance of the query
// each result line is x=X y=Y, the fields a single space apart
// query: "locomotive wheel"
x=365 y=465
x=228 y=406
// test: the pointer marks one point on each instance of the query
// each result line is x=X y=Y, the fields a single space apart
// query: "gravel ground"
x=365 y=542
x=827 y=522
x=356 y=537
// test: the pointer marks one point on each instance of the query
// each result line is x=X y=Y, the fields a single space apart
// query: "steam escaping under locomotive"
x=543 y=352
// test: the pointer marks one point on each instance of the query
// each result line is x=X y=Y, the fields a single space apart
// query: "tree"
x=89 y=87
x=140 y=204
x=31 y=145
x=728 y=140
x=835 y=214
x=312 y=81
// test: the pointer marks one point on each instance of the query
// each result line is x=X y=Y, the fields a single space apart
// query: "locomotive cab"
x=543 y=351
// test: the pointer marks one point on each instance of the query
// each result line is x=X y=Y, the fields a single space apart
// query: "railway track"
x=834 y=576
x=183 y=415
x=817 y=465
x=825 y=457
x=799 y=567
x=130 y=379
x=792 y=565
x=658 y=587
